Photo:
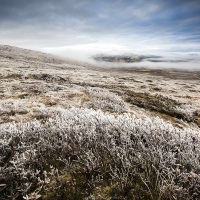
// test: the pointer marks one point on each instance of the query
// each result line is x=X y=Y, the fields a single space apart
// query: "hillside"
x=70 y=130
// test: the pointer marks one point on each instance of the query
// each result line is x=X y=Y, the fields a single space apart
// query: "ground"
x=94 y=132
x=31 y=79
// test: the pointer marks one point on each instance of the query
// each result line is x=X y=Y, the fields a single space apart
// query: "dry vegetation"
x=69 y=131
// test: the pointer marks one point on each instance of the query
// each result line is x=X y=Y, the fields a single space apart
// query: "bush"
x=86 y=154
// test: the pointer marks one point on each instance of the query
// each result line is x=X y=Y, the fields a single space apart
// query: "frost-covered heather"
x=186 y=109
x=87 y=154
x=10 y=107
x=103 y=99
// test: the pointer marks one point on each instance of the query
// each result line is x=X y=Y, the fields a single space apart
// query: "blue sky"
x=101 y=26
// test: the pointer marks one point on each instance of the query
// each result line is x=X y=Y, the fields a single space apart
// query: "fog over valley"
x=150 y=59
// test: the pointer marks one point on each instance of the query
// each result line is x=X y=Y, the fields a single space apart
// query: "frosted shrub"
x=88 y=154
x=105 y=100
x=10 y=108
x=188 y=110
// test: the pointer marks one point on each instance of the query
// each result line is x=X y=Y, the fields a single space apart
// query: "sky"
x=82 y=27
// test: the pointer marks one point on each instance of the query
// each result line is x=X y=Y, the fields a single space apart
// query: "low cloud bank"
x=145 y=59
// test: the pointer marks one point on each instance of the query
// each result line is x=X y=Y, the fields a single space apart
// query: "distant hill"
x=130 y=58
x=25 y=57
x=10 y=52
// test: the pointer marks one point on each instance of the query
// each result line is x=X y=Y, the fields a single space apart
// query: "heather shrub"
x=87 y=154
x=105 y=100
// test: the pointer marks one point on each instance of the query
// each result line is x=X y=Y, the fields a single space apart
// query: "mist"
x=155 y=59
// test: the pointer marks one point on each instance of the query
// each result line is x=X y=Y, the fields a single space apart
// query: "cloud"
x=151 y=25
